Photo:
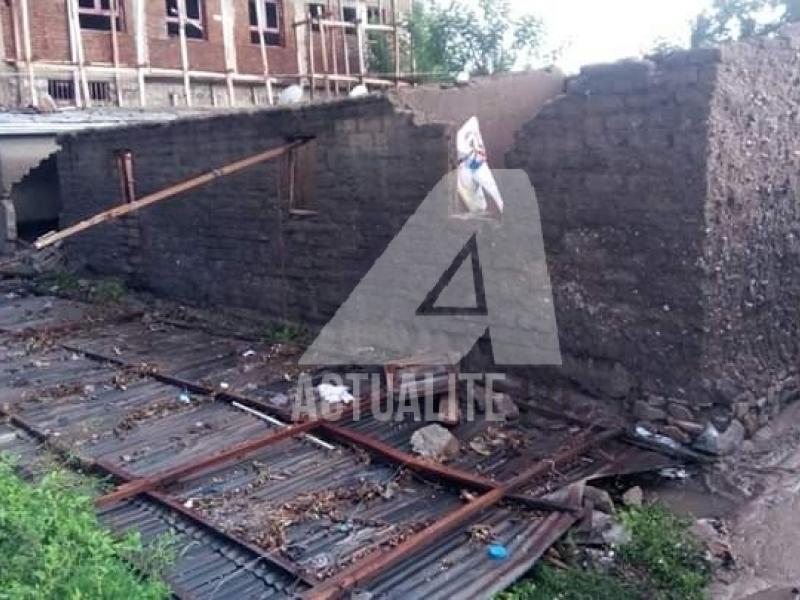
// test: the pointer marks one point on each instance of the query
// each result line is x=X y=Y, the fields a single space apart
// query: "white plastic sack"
x=477 y=188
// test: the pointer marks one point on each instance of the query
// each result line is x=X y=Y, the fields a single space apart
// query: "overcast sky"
x=606 y=30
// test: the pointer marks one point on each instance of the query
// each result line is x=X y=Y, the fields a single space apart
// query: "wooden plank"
x=190 y=184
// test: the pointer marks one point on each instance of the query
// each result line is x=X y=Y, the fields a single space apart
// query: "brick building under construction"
x=189 y=52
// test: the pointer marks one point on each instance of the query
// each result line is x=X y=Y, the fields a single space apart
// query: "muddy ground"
x=751 y=502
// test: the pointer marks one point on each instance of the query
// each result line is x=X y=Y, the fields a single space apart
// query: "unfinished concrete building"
x=190 y=52
x=668 y=198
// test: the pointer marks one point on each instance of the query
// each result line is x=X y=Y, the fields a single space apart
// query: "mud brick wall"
x=234 y=242
x=752 y=254
x=668 y=193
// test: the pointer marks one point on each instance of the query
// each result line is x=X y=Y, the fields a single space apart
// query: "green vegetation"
x=68 y=285
x=108 y=291
x=284 y=333
x=52 y=546
x=663 y=562
x=737 y=19
x=548 y=583
x=481 y=38
x=666 y=554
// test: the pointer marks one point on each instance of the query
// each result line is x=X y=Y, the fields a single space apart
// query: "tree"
x=481 y=39
x=737 y=19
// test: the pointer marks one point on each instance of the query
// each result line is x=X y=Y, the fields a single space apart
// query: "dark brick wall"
x=668 y=193
x=752 y=254
x=233 y=242
x=618 y=167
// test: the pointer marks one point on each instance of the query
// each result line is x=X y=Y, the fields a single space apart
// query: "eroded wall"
x=234 y=242
x=668 y=193
x=503 y=104
x=752 y=253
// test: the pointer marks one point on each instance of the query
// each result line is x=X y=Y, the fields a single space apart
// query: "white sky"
x=606 y=30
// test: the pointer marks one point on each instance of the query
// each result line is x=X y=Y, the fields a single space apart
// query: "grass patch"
x=53 y=547
x=664 y=551
x=663 y=561
x=107 y=291
x=547 y=583
x=284 y=333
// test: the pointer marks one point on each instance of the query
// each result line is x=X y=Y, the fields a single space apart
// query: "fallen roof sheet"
x=137 y=398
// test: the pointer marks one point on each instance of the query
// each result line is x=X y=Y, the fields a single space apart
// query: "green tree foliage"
x=480 y=37
x=737 y=19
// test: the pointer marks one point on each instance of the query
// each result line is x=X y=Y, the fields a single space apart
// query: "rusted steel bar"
x=439 y=471
x=106 y=468
x=200 y=520
x=63 y=329
x=173 y=190
x=241 y=450
x=189 y=386
x=368 y=568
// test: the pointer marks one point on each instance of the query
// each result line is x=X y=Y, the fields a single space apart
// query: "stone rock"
x=726 y=391
x=732 y=439
x=504 y=406
x=721 y=444
x=600 y=499
x=751 y=424
x=692 y=428
x=633 y=497
x=617 y=535
x=677 y=434
x=680 y=412
x=434 y=441
x=708 y=441
x=643 y=411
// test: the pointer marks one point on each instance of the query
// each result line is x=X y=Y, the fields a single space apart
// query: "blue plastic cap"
x=498 y=552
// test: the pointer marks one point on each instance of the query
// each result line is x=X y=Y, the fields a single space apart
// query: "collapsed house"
x=667 y=192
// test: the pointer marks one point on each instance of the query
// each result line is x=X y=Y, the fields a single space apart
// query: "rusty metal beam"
x=371 y=566
x=434 y=469
x=241 y=450
x=106 y=468
x=189 y=386
x=200 y=520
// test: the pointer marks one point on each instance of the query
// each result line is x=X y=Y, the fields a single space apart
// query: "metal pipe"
x=278 y=423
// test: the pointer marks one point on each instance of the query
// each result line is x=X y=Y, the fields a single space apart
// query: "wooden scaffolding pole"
x=396 y=44
x=190 y=184
x=229 y=47
x=73 y=54
x=187 y=82
x=26 y=40
x=114 y=16
x=361 y=17
x=140 y=40
x=324 y=56
x=75 y=26
x=310 y=57
x=261 y=20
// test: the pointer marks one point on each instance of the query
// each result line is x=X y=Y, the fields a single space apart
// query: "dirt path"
x=756 y=494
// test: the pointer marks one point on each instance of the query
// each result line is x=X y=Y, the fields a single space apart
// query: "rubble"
x=434 y=441
x=599 y=499
x=634 y=497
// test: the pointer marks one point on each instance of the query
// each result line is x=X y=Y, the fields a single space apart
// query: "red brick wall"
x=50 y=38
